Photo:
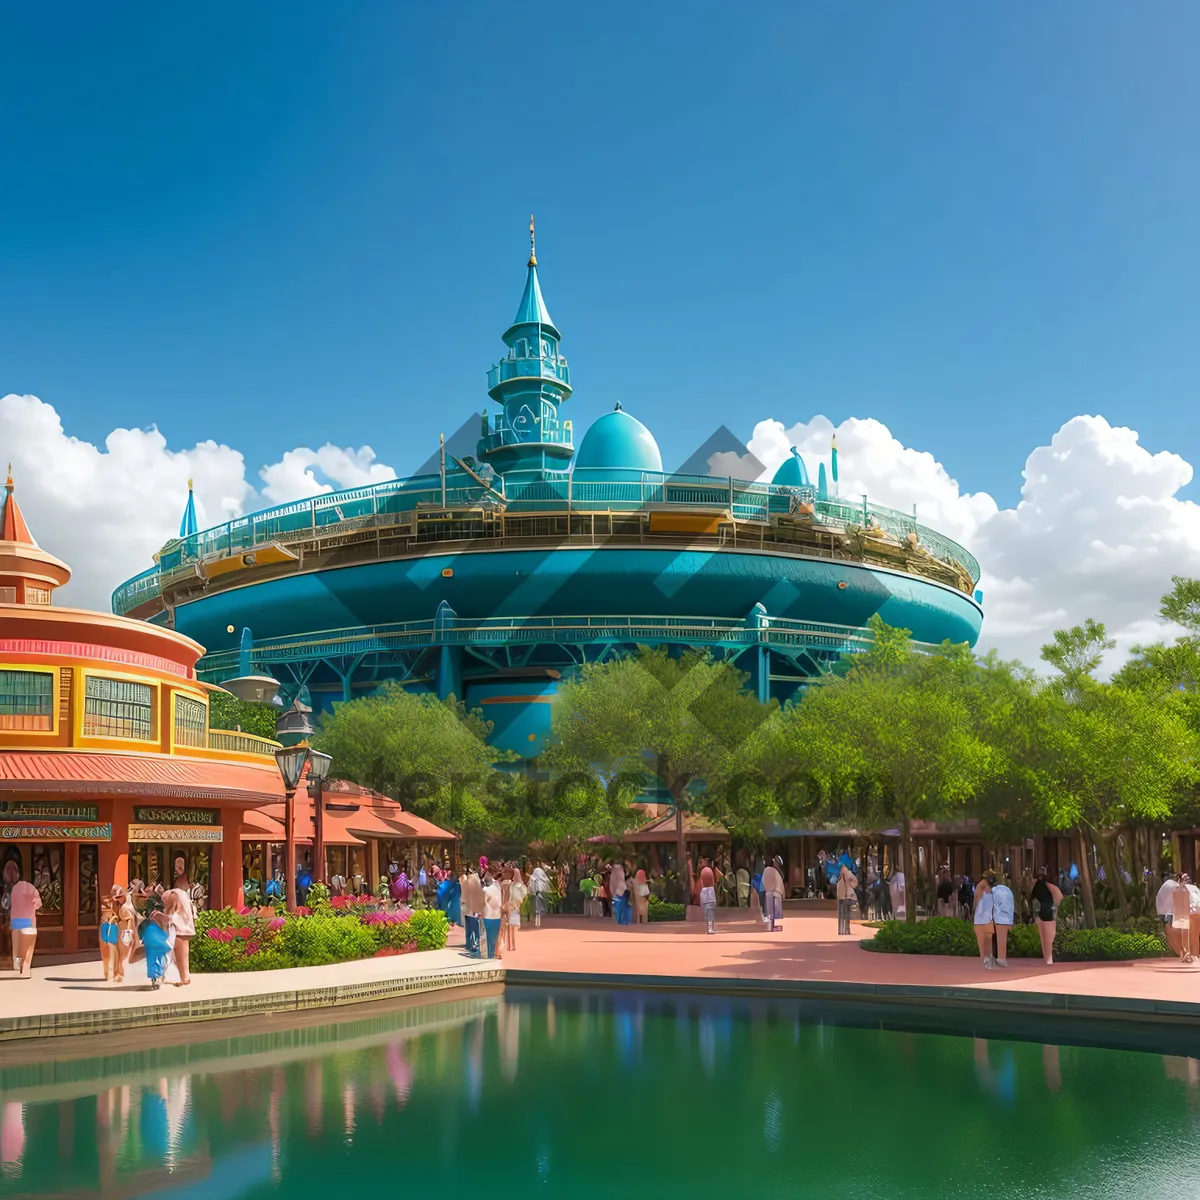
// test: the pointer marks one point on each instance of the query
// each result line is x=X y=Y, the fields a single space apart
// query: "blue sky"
x=286 y=224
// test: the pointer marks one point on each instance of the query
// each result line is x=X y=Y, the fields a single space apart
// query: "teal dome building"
x=495 y=579
x=618 y=444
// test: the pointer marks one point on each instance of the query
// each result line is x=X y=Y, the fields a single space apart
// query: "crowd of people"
x=139 y=922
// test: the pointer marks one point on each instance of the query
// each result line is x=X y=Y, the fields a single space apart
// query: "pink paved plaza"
x=807 y=949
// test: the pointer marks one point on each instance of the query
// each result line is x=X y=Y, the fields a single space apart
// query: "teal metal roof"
x=532 y=310
x=792 y=472
x=618 y=441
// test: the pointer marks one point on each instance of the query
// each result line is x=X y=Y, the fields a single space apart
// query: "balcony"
x=538 y=437
x=529 y=368
x=231 y=741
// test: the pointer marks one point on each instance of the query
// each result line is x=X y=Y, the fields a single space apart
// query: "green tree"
x=429 y=754
x=891 y=742
x=1182 y=604
x=226 y=711
x=680 y=718
x=1077 y=653
x=1112 y=756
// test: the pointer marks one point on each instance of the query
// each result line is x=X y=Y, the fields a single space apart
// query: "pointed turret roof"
x=532 y=309
x=24 y=566
x=188 y=524
x=13 y=527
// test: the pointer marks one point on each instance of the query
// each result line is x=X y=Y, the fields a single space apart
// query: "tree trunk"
x=680 y=845
x=1085 y=879
x=910 y=891
x=1112 y=867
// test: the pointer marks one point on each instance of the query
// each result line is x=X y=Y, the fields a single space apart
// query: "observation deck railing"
x=529 y=368
x=584 y=490
x=781 y=632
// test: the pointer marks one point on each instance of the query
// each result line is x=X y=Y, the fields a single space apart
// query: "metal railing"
x=782 y=632
x=529 y=368
x=232 y=741
x=582 y=491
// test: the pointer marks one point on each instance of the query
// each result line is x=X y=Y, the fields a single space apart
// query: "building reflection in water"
x=1052 y=1068
x=267 y=1111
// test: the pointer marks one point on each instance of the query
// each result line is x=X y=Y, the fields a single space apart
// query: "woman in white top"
x=1164 y=905
x=983 y=921
x=492 y=911
x=178 y=906
x=517 y=892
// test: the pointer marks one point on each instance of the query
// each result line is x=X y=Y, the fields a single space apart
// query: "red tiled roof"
x=155 y=776
x=374 y=816
x=696 y=828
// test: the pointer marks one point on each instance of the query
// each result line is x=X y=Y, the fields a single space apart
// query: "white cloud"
x=292 y=478
x=1099 y=530
x=106 y=509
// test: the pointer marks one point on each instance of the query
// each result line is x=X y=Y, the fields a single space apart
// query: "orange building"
x=108 y=768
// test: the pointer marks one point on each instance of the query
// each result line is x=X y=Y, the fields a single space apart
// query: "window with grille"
x=36 y=595
x=116 y=708
x=26 y=700
x=191 y=722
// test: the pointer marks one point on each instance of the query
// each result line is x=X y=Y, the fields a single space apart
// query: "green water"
x=625 y=1094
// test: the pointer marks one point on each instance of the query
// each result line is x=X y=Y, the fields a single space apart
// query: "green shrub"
x=937 y=935
x=660 y=910
x=1098 y=945
x=316 y=940
x=318 y=897
x=950 y=935
x=429 y=928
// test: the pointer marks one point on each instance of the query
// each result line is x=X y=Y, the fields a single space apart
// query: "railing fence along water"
x=385 y=503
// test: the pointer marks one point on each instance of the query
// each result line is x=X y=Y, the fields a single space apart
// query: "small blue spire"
x=822 y=483
x=189 y=526
x=532 y=309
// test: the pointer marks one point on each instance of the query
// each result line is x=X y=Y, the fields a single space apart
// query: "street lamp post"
x=291 y=760
x=318 y=772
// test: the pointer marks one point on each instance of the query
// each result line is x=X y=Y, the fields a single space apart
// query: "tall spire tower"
x=529 y=384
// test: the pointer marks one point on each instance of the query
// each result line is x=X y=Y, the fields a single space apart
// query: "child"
x=158 y=939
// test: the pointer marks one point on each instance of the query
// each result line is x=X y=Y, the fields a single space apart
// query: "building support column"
x=113 y=865
x=225 y=890
x=449 y=668
x=71 y=897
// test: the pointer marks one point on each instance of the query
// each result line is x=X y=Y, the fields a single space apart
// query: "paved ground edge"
x=116 y=1019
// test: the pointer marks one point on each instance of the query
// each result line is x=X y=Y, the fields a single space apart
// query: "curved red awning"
x=149 y=776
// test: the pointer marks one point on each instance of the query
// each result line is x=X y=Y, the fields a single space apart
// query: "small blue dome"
x=791 y=472
x=618 y=441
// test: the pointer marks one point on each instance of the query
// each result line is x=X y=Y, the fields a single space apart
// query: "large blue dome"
x=618 y=441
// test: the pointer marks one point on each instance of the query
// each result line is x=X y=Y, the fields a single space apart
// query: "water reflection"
x=533 y=1086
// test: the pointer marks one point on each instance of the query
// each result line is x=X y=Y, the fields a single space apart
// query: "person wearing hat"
x=772 y=889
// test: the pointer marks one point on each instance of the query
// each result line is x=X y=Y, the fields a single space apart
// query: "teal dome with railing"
x=618 y=442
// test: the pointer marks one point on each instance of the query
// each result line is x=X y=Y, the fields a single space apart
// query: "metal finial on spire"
x=8 y=483
x=532 y=244
x=189 y=485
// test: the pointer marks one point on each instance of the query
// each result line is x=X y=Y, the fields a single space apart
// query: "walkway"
x=806 y=958
x=75 y=999
x=808 y=954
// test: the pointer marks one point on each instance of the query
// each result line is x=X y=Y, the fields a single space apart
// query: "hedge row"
x=950 y=935
x=227 y=940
